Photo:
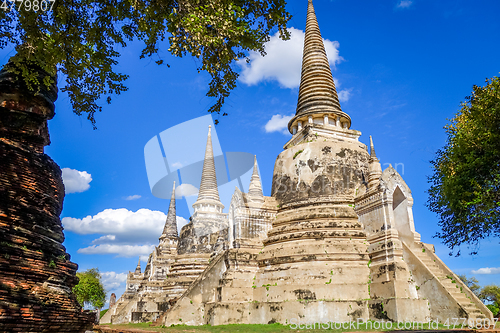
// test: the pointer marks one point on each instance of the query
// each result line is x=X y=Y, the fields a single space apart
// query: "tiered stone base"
x=322 y=274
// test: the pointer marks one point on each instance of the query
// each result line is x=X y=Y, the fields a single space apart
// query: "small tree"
x=491 y=294
x=465 y=186
x=89 y=291
x=472 y=283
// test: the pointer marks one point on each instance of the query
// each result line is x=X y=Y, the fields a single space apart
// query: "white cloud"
x=278 y=123
x=487 y=270
x=104 y=239
x=283 y=60
x=181 y=222
x=133 y=197
x=185 y=190
x=124 y=233
x=177 y=165
x=113 y=280
x=128 y=227
x=404 y=4
x=75 y=181
x=344 y=95
x=120 y=250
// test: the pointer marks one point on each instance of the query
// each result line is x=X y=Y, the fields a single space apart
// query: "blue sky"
x=402 y=68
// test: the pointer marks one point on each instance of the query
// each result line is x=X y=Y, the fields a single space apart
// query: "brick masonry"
x=36 y=274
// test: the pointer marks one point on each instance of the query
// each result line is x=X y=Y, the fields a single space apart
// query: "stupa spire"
x=374 y=167
x=317 y=93
x=208 y=186
x=138 y=268
x=255 y=188
x=170 y=229
x=372 y=149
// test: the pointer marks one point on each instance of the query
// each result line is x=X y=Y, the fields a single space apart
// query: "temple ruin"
x=336 y=240
x=36 y=274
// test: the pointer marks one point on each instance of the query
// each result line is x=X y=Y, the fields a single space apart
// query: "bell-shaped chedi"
x=36 y=275
x=209 y=193
x=208 y=220
x=316 y=250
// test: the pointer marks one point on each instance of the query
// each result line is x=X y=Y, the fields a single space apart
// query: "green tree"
x=472 y=283
x=491 y=294
x=89 y=290
x=465 y=186
x=81 y=40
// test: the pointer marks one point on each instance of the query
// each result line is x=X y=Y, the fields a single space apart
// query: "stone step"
x=459 y=296
x=469 y=307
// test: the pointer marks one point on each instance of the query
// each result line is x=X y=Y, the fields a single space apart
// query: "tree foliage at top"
x=80 y=39
x=465 y=186
x=89 y=290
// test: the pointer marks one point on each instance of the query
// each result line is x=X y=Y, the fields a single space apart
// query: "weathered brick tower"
x=36 y=275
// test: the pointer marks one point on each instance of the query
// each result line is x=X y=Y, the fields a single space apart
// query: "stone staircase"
x=213 y=261
x=452 y=283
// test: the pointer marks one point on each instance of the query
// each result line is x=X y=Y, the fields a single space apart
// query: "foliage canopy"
x=472 y=283
x=465 y=186
x=491 y=293
x=89 y=290
x=81 y=38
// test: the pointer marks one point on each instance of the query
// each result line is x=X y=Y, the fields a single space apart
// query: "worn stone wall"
x=315 y=256
x=36 y=274
x=200 y=237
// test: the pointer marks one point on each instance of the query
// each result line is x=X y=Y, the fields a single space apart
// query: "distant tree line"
x=490 y=295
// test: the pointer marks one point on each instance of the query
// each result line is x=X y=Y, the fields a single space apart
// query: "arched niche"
x=402 y=203
x=401 y=214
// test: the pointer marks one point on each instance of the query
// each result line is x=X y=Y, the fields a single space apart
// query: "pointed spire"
x=208 y=186
x=138 y=268
x=374 y=167
x=372 y=149
x=255 y=188
x=170 y=229
x=317 y=92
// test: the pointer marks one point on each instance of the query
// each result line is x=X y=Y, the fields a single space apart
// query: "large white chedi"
x=336 y=240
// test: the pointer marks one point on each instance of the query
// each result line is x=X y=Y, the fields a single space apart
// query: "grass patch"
x=103 y=312
x=244 y=328
x=297 y=153
x=207 y=328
